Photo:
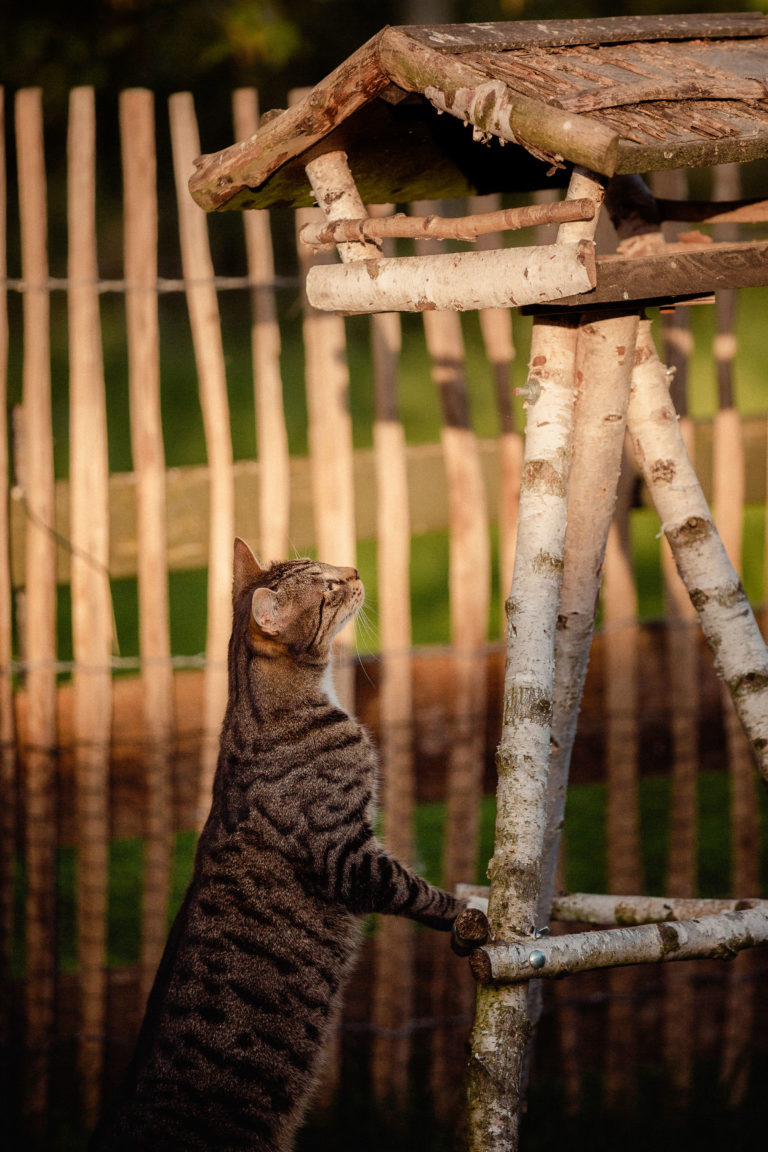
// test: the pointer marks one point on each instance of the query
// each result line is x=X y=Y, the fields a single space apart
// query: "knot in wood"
x=693 y=530
x=663 y=471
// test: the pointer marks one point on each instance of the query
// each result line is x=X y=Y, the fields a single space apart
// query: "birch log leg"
x=502 y=1023
x=724 y=612
x=604 y=359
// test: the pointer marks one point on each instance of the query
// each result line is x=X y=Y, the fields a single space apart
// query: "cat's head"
x=296 y=605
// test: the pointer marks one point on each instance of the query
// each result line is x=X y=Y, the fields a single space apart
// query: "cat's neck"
x=280 y=681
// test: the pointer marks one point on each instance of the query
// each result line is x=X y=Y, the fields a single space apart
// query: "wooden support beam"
x=679 y=271
x=455 y=281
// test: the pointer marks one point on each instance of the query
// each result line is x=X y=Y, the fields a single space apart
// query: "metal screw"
x=530 y=391
x=537 y=959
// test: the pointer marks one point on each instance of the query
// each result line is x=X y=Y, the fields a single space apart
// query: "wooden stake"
x=394 y=981
x=8 y=787
x=271 y=432
x=209 y=355
x=36 y=481
x=91 y=597
x=330 y=424
x=137 y=134
x=469 y=581
x=496 y=328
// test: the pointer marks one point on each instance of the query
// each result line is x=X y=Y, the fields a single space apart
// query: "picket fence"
x=98 y=749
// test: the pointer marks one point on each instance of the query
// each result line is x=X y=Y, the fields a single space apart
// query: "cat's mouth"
x=352 y=604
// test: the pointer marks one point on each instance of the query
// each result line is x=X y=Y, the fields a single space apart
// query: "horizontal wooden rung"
x=717 y=937
x=455 y=281
x=400 y=226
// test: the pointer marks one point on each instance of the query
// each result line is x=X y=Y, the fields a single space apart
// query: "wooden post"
x=330 y=424
x=496 y=328
x=681 y=641
x=729 y=482
x=91 y=598
x=35 y=476
x=9 y=810
x=271 y=432
x=469 y=586
x=209 y=355
x=604 y=361
x=137 y=135
x=502 y=1025
x=393 y=990
x=504 y=1019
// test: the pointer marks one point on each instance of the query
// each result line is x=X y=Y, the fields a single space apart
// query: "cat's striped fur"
x=250 y=984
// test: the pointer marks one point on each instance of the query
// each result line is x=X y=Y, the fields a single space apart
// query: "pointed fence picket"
x=137 y=137
x=34 y=470
x=105 y=758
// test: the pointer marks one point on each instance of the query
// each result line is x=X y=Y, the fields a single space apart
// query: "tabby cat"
x=250 y=984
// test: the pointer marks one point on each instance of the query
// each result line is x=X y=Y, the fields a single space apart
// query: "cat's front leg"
x=366 y=878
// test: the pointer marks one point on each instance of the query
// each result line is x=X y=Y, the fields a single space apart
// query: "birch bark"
x=604 y=359
x=502 y=1023
x=719 y=937
x=713 y=585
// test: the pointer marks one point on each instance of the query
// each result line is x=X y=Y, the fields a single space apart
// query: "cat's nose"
x=353 y=574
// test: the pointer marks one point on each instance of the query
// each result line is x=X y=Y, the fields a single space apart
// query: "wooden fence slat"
x=469 y=587
x=330 y=438
x=209 y=355
x=39 y=629
x=271 y=431
x=682 y=667
x=91 y=597
x=469 y=576
x=8 y=810
x=496 y=329
x=137 y=136
x=729 y=484
x=394 y=981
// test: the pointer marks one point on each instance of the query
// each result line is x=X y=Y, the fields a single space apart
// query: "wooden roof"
x=621 y=95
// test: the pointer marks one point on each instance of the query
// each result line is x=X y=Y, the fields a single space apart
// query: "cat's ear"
x=246 y=568
x=269 y=612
